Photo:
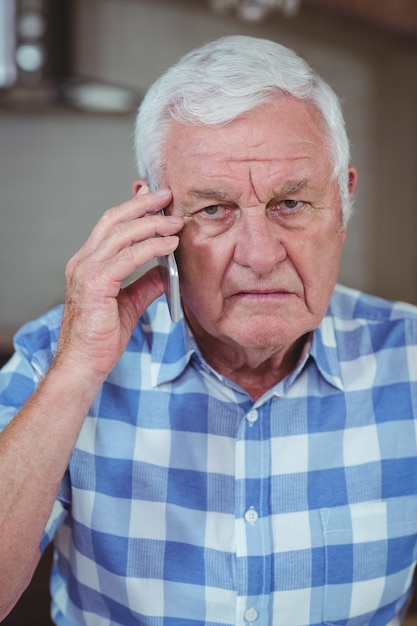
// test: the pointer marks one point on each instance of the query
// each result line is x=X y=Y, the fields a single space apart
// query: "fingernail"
x=144 y=189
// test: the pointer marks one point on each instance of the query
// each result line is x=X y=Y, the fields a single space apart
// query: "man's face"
x=260 y=250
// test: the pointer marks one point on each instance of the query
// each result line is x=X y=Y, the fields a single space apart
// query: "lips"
x=265 y=288
x=264 y=291
x=261 y=293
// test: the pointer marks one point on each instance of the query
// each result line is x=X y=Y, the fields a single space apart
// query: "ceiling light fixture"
x=255 y=10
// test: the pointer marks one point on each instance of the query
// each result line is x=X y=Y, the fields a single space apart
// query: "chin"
x=266 y=332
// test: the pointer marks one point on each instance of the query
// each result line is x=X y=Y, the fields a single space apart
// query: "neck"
x=256 y=370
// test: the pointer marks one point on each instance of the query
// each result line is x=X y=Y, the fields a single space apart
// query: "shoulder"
x=350 y=304
x=365 y=324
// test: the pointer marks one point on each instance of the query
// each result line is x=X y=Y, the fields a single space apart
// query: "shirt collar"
x=171 y=353
x=173 y=346
x=325 y=353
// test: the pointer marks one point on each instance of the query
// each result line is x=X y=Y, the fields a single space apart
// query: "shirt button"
x=251 y=615
x=252 y=416
x=251 y=516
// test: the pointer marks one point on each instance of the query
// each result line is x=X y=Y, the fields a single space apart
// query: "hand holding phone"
x=169 y=274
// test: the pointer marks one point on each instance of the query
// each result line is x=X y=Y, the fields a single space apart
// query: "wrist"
x=70 y=378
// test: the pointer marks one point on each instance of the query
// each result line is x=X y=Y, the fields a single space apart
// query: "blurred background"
x=73 y=71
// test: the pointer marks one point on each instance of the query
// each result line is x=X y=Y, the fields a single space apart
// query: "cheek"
x=203 y=265
x=200 y=256
x=316 y=259
x=198 y=264
x=320 y=263
x=324 y=245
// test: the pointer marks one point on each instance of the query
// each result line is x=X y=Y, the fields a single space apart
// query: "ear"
x=138 y=184
x=352 y=180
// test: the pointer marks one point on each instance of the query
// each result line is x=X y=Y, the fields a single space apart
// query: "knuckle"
x=109 y=215
x=70 y=266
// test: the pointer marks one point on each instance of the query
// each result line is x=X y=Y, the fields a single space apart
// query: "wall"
x=60 y=170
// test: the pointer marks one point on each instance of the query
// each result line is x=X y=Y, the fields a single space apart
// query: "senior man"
x=255 y=462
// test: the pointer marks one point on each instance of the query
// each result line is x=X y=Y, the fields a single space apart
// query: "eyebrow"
x=208 y=194
x=293 y=187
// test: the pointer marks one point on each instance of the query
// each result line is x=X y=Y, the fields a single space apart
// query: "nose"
x=259 y=245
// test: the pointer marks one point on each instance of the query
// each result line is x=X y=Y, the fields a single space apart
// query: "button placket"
x=253 y=457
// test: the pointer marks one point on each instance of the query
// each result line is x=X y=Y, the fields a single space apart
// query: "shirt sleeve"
x=35 y=346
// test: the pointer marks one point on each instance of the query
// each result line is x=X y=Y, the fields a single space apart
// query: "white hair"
x=224 y=79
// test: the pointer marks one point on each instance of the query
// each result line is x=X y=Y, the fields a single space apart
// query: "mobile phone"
x=169 y=273
x=168 y=270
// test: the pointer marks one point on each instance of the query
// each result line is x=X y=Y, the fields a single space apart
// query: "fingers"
x=142 y=231
x=110 y=271
x=144 y=204
x=130 y=235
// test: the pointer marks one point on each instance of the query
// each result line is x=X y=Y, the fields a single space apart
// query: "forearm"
x=34 y=452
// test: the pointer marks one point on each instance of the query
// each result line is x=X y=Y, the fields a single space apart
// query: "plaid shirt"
x=186 y=503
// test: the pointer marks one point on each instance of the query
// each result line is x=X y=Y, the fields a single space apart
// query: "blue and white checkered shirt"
x=186 y=503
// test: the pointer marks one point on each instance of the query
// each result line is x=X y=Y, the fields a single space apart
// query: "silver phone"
x=169 y=273
x=168 y=270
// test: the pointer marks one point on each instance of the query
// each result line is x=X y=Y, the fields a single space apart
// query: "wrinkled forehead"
x=283 y=119
x=275 y=136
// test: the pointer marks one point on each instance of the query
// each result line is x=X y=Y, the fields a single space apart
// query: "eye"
x=211 y=210
x=291 y=205
x=281 y=208
x=215 y=219
x=217 y=211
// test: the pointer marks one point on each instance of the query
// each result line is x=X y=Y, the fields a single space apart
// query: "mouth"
x=262 y=294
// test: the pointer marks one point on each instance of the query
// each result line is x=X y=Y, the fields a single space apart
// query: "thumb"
x=143 y=291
